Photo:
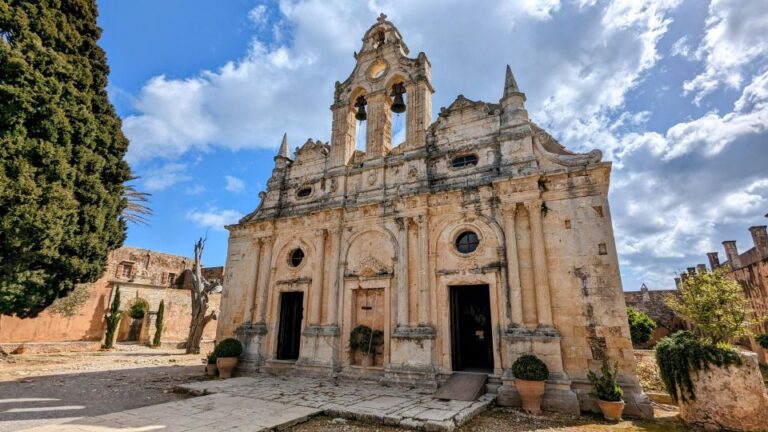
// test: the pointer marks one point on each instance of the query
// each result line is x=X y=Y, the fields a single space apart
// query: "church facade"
x=476 y=240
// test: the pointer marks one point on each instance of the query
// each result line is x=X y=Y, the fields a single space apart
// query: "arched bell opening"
x=358 y=103
x=398 y=108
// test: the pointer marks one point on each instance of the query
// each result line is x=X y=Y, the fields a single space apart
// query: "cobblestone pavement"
x=395 y=406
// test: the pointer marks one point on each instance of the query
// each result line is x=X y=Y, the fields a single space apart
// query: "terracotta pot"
x=211 y=369
x=531 y=393
x=226 y=365
x=611 y=410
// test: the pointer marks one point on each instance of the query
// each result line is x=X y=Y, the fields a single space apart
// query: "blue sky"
x=675 y=93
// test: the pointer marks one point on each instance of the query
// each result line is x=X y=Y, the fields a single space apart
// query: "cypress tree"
x=61 y=154
x=159 y=324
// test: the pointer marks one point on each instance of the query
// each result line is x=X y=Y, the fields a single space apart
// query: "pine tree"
x=61 y=154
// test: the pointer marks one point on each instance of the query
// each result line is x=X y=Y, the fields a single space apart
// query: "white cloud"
x=214 y=218
x=681 y=48
x=164 y=176
x=258 y=15
x=735 y=35
x=234 y=184
x=197 y=189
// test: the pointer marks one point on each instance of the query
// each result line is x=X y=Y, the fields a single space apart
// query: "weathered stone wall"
x=153 y=276
x=384 y=224
x=653 y=303
x=732 y=398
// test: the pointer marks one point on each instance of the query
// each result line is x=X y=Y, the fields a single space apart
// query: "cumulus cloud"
x=234 y=184
x=213 y=218
x=734 y=37
x=162 y=177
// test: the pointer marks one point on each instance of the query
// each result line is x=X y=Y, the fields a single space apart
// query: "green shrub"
x=528 y=367
x=714 y=304
x=138 y=308
x=228 y=348
x=366 y=340
x=682 y=353
x=641 y=326
x=159 y=323
x=211 y=358
x=113 y=320
x=606 y=387
x=762 y=340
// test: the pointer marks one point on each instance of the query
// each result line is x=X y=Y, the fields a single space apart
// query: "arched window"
x=467 y=242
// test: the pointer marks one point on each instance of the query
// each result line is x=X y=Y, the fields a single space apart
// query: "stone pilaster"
x=318 y=279
x=403 y=310
x=540 y=270
x=379 y=129
x=515 y=290
x=423 y=281
x=419 y=113
x=342 y=134
x=334 y=281
x=250 y=302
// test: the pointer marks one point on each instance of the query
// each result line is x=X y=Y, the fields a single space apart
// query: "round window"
x=296 y=257
x=304 y=192
x=467 y=242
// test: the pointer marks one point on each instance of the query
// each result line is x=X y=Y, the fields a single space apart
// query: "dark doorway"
x=471 y=339
x=289 y=332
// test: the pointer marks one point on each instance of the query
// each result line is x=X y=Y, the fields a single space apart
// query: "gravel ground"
x=38 y=389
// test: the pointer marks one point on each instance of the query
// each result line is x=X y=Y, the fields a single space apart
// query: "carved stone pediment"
x=312 y=150
x=370 y=266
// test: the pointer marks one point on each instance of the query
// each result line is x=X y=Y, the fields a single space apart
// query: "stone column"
x=540 y=270
x=402 y=279
x=317 y=278
x=334 y=285
x=379 y=129
x=264 y=272
x=250 y=305
x=423 y=282
x=513 y=267
x=419 y=113
x=342 y=134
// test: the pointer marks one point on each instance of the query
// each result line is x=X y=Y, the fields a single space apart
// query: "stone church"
x=476 y=240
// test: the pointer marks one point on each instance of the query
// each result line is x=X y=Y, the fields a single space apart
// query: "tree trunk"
x=200 y=291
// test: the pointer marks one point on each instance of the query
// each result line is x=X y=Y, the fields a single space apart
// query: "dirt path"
x=38 y=389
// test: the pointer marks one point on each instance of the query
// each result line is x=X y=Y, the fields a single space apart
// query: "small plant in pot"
x=530 y=376
x=607 y=391
x=210 y=365
x=227 y=352
x=366 y=341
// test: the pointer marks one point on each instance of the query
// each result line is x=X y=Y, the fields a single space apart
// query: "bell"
x=360 y=105
x=398 y=106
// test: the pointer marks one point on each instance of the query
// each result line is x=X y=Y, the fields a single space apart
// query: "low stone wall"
x=731 y=398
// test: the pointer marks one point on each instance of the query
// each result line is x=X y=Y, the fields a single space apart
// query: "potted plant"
x=365 y=340
x=607 y=391
x=210 y=366
x=530 y=373
x=227 y=352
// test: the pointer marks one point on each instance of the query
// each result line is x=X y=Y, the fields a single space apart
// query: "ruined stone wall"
x=653 y=303
x=153 y=276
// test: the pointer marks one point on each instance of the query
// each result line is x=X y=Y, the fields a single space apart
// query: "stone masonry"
x=478 y=239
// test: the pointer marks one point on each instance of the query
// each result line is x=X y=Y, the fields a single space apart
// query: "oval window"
x=304 y=192
x=467 y=242
x=296 y=257
x=464 y=161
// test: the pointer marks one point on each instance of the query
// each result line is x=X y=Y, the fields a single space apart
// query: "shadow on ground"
x=33 y=401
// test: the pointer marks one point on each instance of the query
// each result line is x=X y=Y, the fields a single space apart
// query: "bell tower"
x=384 y=80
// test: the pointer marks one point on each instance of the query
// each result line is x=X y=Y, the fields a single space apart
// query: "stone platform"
x=395 y=406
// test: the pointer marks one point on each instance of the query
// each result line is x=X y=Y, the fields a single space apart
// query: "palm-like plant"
x=136 y=208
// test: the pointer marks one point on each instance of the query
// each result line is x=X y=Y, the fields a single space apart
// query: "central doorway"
x=289 y=331
x=471 y=339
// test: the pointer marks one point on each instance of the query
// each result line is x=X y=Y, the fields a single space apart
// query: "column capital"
x=320 y=232
x=402 y=222
x=509 y=210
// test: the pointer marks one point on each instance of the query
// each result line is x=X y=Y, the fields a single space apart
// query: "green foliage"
x=113 y=320
x=159 y=323
x=71 y=304
x=641 y=326
x=61 y=154
x=683 y=353
x=138 y=308
x=211 y=358
x=714 y=304
x=762 y=340
x=606 y=387
x=228 y=348
x=366 y=340
x=528 y=367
